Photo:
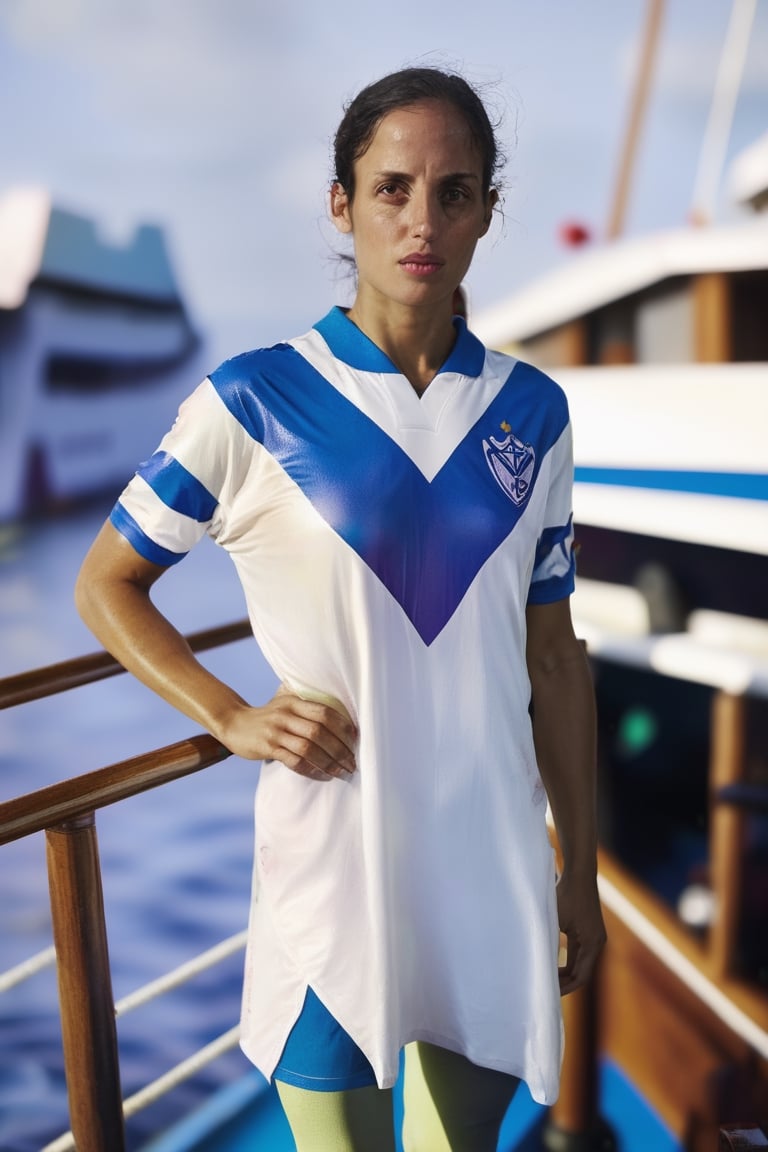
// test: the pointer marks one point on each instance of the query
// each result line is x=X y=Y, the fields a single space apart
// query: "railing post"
x=576 y=1107
x=574 y=1123
x=89 y=1033
x=726 y=828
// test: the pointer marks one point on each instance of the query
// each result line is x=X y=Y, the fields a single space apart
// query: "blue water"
x=176 y=862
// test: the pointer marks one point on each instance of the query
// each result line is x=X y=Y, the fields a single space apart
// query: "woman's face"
x=418 y=208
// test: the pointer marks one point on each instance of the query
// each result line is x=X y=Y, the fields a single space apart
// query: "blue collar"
x=353 y=347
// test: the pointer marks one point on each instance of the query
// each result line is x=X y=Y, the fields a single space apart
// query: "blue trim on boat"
x=248 y=1114
x=639 y=1126
x=744 y=485
x=248 y=1106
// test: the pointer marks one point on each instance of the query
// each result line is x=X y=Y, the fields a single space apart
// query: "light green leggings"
x=451 y=1105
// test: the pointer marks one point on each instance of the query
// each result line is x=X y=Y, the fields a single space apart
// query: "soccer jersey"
x=388 y=544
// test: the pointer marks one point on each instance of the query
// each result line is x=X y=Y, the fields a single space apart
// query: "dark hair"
x=401 y=90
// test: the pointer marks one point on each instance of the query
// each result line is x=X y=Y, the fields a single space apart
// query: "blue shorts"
x=320 y=1055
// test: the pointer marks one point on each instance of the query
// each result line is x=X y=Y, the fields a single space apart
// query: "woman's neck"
x=416 y=340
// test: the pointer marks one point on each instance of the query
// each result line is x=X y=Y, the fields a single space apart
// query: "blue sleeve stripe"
x=549 y=540
x=555 y=588
x=128 y=527
x=178 y=488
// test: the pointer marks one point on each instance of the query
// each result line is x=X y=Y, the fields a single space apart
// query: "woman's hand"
x=314 y=739
x=581 y=922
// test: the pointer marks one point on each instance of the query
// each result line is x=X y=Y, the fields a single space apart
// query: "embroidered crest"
x=511 y=463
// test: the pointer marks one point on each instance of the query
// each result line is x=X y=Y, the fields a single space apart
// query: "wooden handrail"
x=25 y=687
x=746 y=998
x=75 y=798
x=66 y=811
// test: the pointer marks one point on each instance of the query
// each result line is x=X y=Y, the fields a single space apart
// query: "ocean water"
x=176 y=861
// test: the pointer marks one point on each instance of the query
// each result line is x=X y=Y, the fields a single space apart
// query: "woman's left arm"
x=564 y=731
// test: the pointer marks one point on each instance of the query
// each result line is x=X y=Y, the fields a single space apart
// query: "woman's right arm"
x=112 y=595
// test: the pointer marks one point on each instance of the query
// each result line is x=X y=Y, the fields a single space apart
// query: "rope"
x=181 y=974
x=27 y=968
x=182 y=1072
x=163 y=1084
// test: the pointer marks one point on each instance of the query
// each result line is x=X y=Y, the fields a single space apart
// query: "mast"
x=636 y=117
x=724 y=97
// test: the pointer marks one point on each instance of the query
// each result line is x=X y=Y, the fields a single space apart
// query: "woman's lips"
x=420 y=264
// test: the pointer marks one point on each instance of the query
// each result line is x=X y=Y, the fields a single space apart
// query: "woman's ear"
x=493 y=199
x=340 y=208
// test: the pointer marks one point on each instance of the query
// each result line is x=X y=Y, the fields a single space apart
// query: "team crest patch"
x=511 y=463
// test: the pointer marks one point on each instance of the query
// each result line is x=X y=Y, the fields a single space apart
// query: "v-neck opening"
x=410 y=409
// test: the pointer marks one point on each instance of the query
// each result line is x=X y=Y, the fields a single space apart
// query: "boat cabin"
x=96 y=351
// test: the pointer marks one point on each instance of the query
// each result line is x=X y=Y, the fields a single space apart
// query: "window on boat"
x=749 y=309
x=611 y=331
x=665 y=324
x=655 y=805
x=655 y=326
x=87 y=375
x=654 y=747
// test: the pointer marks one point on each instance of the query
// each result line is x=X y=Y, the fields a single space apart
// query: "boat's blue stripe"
x=745 y=485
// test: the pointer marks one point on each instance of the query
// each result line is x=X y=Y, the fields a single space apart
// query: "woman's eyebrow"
x=450 y=176
x=460 y=176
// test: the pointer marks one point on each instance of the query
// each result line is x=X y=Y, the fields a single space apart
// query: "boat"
x=661 y=346
x=660 y=343
x=96 y=351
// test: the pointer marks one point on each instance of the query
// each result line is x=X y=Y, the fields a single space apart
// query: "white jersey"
x=387 y=546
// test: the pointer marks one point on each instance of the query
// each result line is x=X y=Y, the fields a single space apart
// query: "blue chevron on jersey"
x=406 y=529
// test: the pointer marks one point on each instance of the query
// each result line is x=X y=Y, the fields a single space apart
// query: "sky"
x=214 y=118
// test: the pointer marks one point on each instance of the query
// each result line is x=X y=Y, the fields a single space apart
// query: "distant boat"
x=96 y=351
x=661 y=344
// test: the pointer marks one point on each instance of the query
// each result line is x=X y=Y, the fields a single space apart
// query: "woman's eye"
x=454 y=195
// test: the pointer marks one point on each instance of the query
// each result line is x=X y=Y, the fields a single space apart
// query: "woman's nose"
x=423 y=218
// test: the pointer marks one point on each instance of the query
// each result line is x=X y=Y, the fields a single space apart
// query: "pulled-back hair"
x=401 y=90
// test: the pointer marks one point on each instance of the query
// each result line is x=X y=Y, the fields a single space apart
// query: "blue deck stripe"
x=744 y=485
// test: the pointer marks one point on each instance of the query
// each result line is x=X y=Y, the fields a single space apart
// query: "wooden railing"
x=66 y=812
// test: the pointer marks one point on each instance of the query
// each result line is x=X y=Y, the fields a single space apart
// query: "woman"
x=397 y=502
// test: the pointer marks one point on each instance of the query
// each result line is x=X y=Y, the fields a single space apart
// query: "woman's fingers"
x=312 y=738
